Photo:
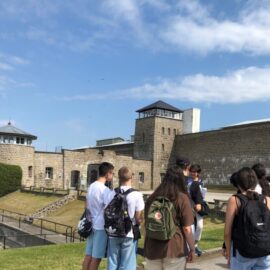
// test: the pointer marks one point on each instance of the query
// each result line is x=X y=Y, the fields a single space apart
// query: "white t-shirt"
x=96 y=193
x=135 y=204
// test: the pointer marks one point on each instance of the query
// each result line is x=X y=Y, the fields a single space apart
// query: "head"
x=173 y=183
x=184 y=164
x=246 y=179
x=260 y=170
x=125 y=175
x=106 y=170
x=195 y=170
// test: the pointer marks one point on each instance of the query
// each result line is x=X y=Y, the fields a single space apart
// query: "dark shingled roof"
x=160 y=105
x=11 y=130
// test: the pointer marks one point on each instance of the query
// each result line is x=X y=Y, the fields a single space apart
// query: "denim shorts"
x=96 y=244
x=242 y=263
x=121 y=253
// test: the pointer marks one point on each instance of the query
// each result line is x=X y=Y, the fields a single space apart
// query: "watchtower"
x=155 y=130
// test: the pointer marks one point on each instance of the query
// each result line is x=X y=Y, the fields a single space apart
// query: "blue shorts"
x=96 y=244
x=242 y=263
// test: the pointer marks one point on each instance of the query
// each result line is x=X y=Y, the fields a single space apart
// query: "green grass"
x=56 y=257
x=25 y=203
x=68 y=214
x=70 y=256
x=212 y=235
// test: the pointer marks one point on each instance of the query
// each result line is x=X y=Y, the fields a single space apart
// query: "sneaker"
x=198 y=251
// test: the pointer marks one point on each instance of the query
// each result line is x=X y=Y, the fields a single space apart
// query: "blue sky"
x=75 y=71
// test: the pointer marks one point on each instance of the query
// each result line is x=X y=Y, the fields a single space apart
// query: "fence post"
x=41 y=224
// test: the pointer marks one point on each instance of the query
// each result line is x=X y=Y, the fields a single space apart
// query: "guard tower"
x=16 y=148
x=155 y=130
x=9 y=134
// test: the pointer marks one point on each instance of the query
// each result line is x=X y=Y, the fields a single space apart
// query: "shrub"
x=10 y=178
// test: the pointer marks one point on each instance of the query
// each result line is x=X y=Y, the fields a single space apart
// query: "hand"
x=224 y=252
x=227 y=256
x=191 y=256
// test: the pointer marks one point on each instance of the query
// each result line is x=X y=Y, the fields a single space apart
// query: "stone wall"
x=52 y=160
x=22 y=156
x=165 y=132
x=222 y=152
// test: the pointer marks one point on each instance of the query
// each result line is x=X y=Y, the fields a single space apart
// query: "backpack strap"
x=128 y=191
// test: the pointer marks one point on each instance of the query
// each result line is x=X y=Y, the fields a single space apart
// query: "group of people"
x=181 y=185
x=171 y=246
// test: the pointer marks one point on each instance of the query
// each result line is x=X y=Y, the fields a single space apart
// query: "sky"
x=75 y=71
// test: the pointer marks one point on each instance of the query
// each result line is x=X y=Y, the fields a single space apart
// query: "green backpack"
x=159 y=221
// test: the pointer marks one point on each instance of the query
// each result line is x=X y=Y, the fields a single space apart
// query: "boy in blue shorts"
x=97 y=240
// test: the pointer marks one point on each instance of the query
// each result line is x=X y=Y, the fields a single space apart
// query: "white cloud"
x=5 y=66
x=245 y=85
x=11 y=63
x=154 y=24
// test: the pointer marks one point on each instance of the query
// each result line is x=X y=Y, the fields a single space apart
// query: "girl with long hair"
x=175 y=252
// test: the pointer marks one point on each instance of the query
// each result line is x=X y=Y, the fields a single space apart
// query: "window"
x=163 y=131
x=49 y=173
x=22 y=140
x=141 y=177
x=169 y=131
x=29 y=141
x=30 y=171
x=163 y=147
x=17 y=140
x=11 y=140
x=6 y=140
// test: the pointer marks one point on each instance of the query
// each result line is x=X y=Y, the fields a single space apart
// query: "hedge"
x=10 y=178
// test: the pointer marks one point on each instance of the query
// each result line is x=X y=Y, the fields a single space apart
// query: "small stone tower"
x=155 y=130
x=16 y=148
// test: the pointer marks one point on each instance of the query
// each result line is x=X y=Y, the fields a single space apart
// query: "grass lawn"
x=212 y=235
x=68 y=214
x=25 y=203
x=70 y=256
x=56 y=257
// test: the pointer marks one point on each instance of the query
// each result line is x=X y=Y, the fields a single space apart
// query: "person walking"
x=197 y=193
x=96 y=242
x=247 y=225
x=171 y=245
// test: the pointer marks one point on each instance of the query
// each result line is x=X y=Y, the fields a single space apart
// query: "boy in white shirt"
x=122 y=250
x=97 y=240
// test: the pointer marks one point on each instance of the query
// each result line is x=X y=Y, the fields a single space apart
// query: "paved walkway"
x=210 y=196
x=210 y=262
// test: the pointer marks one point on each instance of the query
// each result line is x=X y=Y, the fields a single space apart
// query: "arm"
x=190 y=240
x=138 y=217
x=198 y=207
x=230 y=214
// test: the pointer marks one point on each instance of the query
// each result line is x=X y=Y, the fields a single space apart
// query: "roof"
x=160 y=105
x=9 y=129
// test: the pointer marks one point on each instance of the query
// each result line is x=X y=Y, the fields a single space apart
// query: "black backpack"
x=116 y=217
x=85 y=225
x=251 y=229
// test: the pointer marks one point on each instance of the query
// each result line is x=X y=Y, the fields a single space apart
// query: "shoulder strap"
x=117 y=190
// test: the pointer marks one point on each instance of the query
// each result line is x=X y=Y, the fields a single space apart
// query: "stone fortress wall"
x=222 y=152
x=157 y=142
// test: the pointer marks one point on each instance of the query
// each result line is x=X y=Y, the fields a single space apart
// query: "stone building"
x=161 y=133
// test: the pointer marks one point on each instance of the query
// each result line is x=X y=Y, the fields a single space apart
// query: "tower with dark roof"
x=10 y=134
x=155 y=130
